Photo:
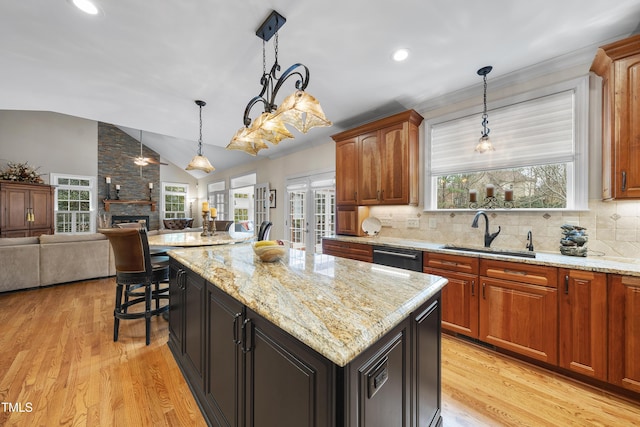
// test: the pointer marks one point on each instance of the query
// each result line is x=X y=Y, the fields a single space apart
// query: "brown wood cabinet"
x=519 y=308
x=583 y=322
x=460 y=295
x=618 y=64
x=386 y=162
x=25 y=209
x=357 y=251
x=624 y=331
x=347 y=172
x=349 y=219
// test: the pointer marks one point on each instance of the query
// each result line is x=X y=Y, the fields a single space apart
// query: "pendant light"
x=200 y=162
x=484 y=144
x=141 y=160
x=299 y=109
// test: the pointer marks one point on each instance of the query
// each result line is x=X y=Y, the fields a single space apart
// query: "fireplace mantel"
x=107 y=203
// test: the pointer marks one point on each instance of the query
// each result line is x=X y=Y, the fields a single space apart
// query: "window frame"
x=92 y=189
x=164 y=193
x=577 y=183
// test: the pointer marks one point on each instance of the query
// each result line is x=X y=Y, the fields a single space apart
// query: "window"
x=541 y=143
x=73 y=204
x=241 y=194
x=174 y=199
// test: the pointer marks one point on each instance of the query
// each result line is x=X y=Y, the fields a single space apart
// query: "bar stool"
x=137 y=277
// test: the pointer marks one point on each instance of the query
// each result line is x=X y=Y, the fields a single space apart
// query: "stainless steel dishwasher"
x=407 y=259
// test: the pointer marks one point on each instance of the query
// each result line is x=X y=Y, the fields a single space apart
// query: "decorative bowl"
x=269 y=252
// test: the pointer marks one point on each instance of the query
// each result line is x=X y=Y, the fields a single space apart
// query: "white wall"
x=53 y=142
x=319 y=157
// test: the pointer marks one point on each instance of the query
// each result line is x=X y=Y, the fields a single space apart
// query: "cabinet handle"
x=521 y=273
x=624 y=181
x=455 y=264
x=382 y=195
x=236 y=335
x=355 y=195
x=473 y=288
x=484 y=296
x=245 y=338
x=378 y=195
x=566 y=284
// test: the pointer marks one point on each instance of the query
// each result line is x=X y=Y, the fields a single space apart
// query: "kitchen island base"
x=245 y=371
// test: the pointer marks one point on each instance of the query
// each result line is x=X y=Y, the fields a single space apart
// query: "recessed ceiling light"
x=86 y=6
x=400 y=55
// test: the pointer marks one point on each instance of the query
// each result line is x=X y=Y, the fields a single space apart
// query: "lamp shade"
x=200 y=162
x=484 y=145
x=302 y=111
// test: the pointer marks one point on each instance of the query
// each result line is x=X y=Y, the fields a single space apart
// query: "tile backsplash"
x=612 y=227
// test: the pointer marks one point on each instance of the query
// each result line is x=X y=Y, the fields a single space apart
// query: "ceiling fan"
x=144 y=161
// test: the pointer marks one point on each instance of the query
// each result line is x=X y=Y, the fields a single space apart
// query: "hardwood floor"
x=59 y=366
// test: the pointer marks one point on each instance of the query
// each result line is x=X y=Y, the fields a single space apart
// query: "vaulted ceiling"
x=141 y=64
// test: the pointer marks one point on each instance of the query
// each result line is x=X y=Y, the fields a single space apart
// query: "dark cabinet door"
x=194 y=338
x=380 y=386
x=287 y=384
x=426 y=324
x=224 y=357
x=17 y=204
x=176 y=307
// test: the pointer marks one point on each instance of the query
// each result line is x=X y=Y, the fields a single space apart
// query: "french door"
x=310 y=211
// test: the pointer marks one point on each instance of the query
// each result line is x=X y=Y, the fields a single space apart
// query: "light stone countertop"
x=338 y=307
x=615 y=265
x=194 y=238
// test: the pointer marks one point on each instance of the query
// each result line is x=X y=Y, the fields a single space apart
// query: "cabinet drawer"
x=357 y=251
x=520 y=272
x=461 y=264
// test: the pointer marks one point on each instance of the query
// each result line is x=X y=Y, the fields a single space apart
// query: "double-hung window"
x=73 y=203
x=540 y=159
x=174 y=199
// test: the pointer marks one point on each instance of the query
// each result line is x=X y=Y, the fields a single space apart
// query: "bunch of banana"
x=268 y=243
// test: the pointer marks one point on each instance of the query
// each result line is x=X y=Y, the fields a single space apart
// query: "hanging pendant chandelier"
x=300 y=110
x=200 y=162
x=484 y=144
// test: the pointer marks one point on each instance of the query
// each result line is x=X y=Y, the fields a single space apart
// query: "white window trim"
x=577 y=191
x=93 y=200
x=163 y=193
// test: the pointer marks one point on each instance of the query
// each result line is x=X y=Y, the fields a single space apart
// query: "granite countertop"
x=194 y=238
x=616 y=265
x=337 y=306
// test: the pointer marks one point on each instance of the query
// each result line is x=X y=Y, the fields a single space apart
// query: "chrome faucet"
x=488 y=238
x=529 y=241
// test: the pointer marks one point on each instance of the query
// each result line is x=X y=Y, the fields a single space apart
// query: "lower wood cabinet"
x=519 y=308
x=583 y=322
x=624 y=331
x=460 y=295
x=247 y=372
x=357 y=251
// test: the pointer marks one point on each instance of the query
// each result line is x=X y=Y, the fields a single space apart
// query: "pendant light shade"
x=200 y=162
x=484 y=144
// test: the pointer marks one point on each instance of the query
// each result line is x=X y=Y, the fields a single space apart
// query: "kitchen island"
x=310 y=340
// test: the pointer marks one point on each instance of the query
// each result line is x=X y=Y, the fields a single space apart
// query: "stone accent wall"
x=116 y=153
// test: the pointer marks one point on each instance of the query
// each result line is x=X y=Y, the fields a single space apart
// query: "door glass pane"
x=324 y=203
x=298 y=226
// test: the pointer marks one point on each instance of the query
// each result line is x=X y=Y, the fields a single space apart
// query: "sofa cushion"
x=20 y=266
x=64 y=238
x=13 y=241
x=74 y=260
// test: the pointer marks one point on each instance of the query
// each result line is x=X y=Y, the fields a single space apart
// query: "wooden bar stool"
x=138 y=278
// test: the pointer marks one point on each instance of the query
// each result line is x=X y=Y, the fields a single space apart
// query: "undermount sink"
x=509 y=252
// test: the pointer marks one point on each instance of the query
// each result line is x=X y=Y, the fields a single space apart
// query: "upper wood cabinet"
x=377 y=163
x=25 y=209
x=618 y=64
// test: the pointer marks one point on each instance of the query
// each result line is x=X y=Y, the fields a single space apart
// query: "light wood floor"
x=60 y=366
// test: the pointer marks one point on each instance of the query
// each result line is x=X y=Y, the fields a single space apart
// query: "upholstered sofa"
x=29 y=262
